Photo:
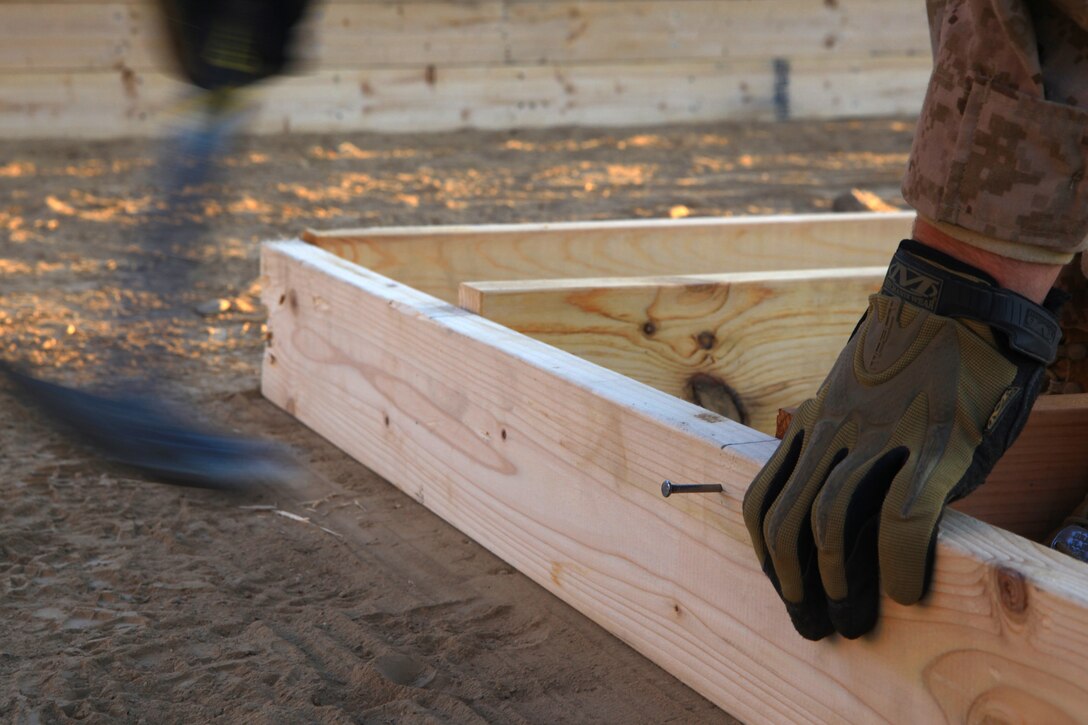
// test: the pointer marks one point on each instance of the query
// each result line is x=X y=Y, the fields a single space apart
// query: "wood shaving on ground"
x=289 y=515
x=304 y=520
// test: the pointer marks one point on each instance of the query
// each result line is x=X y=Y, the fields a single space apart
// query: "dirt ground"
x=123 y=599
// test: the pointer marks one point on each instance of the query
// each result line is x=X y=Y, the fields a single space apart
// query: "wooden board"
x=761 y=340
x=341 y=35
x=554 y=464
x=353 y=34
x=436 y=260
x=110 y=104
x=49 y=36
x=102 y=69
x=436 y=98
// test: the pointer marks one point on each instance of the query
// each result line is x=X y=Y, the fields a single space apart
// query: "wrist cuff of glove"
x=949 y=287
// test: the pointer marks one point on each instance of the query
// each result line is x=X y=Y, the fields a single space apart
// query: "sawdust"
x=129 y=600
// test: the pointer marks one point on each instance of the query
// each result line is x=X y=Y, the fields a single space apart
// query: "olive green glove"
x=934 y=385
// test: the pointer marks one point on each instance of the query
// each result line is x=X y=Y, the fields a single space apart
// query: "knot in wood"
x=649 y=328
x=715 y=394
x=1013 y=591
x=707 y=340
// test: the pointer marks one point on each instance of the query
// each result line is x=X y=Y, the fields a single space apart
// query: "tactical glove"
x=933 y=386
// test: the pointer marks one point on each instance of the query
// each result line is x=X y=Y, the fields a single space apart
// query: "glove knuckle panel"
x=840 y=520
x=788 y=525
x=905 y=538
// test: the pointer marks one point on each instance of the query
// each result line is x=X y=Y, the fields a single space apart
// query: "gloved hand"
x=934 y=385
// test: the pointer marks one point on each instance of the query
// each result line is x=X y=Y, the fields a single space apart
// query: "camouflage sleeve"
x=1002 y=142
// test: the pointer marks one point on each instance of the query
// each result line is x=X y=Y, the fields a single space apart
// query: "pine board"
x=436 y=260
x=770 y=337
x=339 y=35
x=125 y=102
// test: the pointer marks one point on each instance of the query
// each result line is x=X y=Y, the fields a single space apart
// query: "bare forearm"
x=1031 y=279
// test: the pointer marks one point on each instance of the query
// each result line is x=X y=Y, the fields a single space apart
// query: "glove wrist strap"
x=1030 y=329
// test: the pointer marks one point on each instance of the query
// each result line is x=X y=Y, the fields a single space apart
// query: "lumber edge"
x=832 y=222
x=437 y=259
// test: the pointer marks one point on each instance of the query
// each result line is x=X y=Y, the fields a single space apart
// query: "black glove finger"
x=787 y=531
x=829 y=510
x=759 y=498
x=847 y=518
x=908 y=526
x=768 y=483
x=807 y=614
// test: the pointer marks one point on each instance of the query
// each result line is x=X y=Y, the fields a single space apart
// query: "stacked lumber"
x=554 y=462
x=91 y=68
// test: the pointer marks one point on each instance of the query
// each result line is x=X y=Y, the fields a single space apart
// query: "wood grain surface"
x=103 y=69
x=436 y=260
x=764 y=339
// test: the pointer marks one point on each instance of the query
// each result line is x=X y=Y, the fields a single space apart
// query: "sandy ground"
x=126 y=600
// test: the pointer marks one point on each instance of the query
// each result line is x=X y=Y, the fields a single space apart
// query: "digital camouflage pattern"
x=1002 y=143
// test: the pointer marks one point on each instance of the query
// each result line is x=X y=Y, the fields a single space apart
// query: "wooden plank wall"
x=88 y=68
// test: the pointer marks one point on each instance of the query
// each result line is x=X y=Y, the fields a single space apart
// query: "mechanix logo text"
x=1041 y=326
x=912 y=285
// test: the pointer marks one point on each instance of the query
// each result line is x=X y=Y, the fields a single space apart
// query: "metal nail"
x=668 y=488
